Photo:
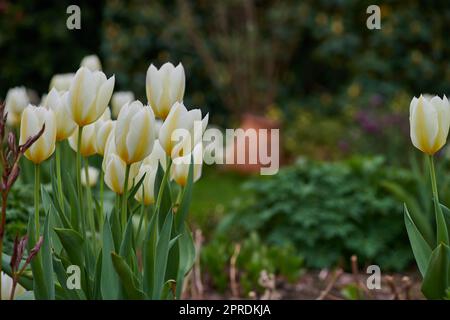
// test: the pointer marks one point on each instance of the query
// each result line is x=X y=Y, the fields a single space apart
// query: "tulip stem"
x=89 y=201
x=441 y=228
x=37 y=185
x=125 y=196
x=58 y=176
x=100 y=218
x=161 y=191
x=78 y=164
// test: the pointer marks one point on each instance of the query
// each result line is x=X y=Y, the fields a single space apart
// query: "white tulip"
x=89 y=95
x=182 y=130
x=134 y=132
x=88 y=140
x=164 y=87
x=119 y=99
x=56 y=101
x=103 y=131
x=145 y=194
x=33 y=118
x=180 y=166
x=92 y=62
x=61 y=82
x=7 y=283
x=115 y=172
x=16 y=100
x=429 y=123
x=92 y=176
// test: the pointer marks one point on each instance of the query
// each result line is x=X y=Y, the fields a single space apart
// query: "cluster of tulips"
x=146 y=162
x=429 y=127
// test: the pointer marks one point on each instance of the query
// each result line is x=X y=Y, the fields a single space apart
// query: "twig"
x=393 y=287
x=331 y=284
x=233 y=271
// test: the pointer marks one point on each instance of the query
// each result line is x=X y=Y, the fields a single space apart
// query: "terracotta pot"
x=257 y=123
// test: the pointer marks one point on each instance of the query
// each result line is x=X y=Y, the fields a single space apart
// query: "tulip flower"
x=103 y=129
x=429 y=122
x=182 y=130
x=92 y=177
x=115 y=173
x=119 y=99
x=164 y=87
x=145 y=194
x=7 y=283
x=61 y=82
x=158 y=155
x=33 y=118
x=88 y=140
x=180 y=166
x=56 y=101
x=16 y=100
x=89 y=95
x=134 y=132
x=12 y=119
x=92 y=62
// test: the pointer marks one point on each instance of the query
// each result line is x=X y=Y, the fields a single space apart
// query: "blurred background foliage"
x=339 y=91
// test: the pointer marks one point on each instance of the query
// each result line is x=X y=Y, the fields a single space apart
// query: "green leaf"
x=24 y=281
x=135 y=188
x=446 y=213
x=187 y=258
x=436 y=279
x=61 y=275
x=149 y=249
x=127 y=240
x=128 y=279
x=420 y=247
x=183 y=208
x=73 y=243
x=109 y=278
x=162 y=253
x=47 y=260
x=39 y=286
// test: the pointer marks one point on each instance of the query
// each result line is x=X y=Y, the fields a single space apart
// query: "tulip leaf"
x=24 y=280
x=446 y=212
x=436 y=279
x=187 y=258
x=420 y=247
x=135 y=188
x=72 y=242
x=97 y=292
x=61 y=275
x=75 y=211
x=161 y=256
x=126 y=246
x=127 y=278
x=149 y=249
x=47 y=261
x=109 y=278
x=39 y=285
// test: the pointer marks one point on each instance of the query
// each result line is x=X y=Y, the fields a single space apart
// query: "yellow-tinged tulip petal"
x=88 y=141
x=31 y=123
x=92 y=176
x=119 y=99
x=103 y=130
x=61 y=82
x=56 y=101
x=115 y=172
x=16 y=100
x=164 y=87
x=145 y=194
x=429 y=123
x=134 y=132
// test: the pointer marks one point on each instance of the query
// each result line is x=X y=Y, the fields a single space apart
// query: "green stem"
x=161 y=191
x=89 y=201
x=37 y=186
x=125 y=196
x=102 y=183
x=441 y=228
x=78 y=164
x=58 y=176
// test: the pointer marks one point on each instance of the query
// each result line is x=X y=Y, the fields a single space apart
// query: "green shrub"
x=329 y=211
x=253 y=258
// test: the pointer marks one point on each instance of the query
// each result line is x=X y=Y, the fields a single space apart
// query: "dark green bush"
x=330 y=211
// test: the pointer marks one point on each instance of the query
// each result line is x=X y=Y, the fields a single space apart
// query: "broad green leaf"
x=446 y=213
x=420 y=247
x=39 y=286
x=97 y=294
x=149 y=250
x=132 y=192
x=127 y=278
x=436 y=279
x=162 y=253
x=73 y=243
x=61 y=275
x=126 y=247
x=187 y=258
x=109 y=278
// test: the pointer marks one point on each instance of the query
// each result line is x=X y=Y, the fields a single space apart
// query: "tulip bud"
x=61 y=82
x=429 y=123
x=180 y=166
x=7 y=283
x=92 y=62
x=115 y=172
x=89 y=95
x=33 y=118
x=92 y=176
x=88 y=140
x=145 y=194
x=164 y=87
x=56 y=101
x=134 y=132
x=119 y=99
x=182 y=130
x=16 y=100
